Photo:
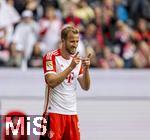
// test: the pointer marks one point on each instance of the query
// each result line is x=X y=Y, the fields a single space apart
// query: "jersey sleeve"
x=49 y=63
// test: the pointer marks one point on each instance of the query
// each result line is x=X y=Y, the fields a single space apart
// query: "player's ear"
x=63 y=40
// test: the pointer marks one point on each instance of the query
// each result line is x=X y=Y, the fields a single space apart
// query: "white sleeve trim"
x=49 y=72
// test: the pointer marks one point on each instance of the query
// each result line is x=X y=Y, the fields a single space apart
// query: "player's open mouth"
x=73 y=49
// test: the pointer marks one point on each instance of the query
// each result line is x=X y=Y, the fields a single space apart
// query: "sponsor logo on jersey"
x=49 y=65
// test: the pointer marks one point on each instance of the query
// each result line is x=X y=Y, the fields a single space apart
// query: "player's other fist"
x=86 y=62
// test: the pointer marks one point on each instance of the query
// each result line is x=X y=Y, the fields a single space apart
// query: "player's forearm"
x=54 y=80
x=86 y=79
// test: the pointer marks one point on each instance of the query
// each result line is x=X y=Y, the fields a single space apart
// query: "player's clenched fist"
x=75 y=61
x=86 y=62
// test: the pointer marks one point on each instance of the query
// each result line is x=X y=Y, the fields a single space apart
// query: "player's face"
x=71 y=43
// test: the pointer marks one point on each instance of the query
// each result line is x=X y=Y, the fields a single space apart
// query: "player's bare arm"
x=54 y=80
x=84 y=80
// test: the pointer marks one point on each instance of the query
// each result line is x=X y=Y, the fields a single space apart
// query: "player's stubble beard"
x=71 y=50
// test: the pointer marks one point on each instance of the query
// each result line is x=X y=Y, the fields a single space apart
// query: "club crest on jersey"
x=49 y=65
x=50 y=134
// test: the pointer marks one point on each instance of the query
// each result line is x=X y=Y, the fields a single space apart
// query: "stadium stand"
x=113 y=31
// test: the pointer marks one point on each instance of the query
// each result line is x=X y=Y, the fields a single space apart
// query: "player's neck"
x=64 y=53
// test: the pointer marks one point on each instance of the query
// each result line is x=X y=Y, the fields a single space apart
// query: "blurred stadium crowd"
x=115 y=32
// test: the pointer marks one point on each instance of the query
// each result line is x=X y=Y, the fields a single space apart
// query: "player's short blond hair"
x=67 y=29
